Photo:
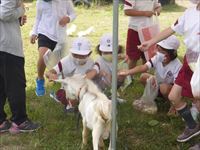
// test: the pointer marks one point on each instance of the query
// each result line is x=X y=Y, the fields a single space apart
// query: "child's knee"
x=165 y=89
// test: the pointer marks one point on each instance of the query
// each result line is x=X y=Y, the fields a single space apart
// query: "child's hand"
x=33 y=38
x=157 y=10
x=23 y=20
x=64 y=20
x=149 y=13
x=123 y=73
x=145 y=46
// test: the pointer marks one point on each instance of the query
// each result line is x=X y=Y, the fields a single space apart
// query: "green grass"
x=58 y=130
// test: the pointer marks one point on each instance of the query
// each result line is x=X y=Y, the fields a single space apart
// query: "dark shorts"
x=183 y=79
x=131 y=45
x=44 y=41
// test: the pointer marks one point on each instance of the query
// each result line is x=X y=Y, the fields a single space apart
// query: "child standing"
x=51 y=15
x=140 y=14
x=188 y=25
x=165 y=63
x=78 y=62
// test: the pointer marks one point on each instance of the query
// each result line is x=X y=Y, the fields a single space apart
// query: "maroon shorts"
x=183 y=79
x=131 y=45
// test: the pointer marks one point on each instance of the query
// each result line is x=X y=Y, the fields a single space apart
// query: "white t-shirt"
x=48 y=15
x=70 y=68
x=140 y=5
x=188 y=24
x=165 y=74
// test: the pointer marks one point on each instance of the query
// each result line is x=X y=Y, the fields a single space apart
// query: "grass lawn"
x=58 y=130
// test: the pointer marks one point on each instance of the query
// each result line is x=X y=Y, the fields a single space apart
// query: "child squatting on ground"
x=140 y=14
x=51 y=16
x=102 y=75
x=78 y=62
x=165 y=63
x=187 y=25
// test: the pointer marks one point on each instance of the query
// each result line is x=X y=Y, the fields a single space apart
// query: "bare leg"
x=175 y=97
x=40 y=64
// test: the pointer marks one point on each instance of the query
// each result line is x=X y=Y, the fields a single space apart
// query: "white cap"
x=170 y=43
x=106 y=43
x=81 y=46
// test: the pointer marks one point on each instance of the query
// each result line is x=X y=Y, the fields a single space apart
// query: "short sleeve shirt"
x=140 y=5
x=70 y=68
x=188 y=24
x=165 y=74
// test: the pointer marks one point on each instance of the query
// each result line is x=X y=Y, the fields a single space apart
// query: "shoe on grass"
x=26 y=126
x=188 y=134
x=40 y=90
x=5 y=126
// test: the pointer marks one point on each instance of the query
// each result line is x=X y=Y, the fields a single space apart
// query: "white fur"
x=94 y=106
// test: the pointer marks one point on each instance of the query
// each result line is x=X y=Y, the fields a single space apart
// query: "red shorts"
x=183 y=79
x=131 y=45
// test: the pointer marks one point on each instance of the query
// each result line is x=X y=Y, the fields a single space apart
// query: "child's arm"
x=131 y=12
x=137 y=69
x=71 y=11
x=70 y=16
x=10 y=10
x=163 y=35
x=91 y=74
x=34 y=32
x=95 y=71
x=157 y=8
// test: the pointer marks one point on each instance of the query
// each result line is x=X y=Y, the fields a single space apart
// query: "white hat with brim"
x=81 y=46
x=170 y=43
x=106 y=43
x=85 y=52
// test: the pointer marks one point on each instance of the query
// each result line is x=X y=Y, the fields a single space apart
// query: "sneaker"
x=26 y=126
x=5 y=126
x=195 y=147
x=188 y=134
x=40 y=90
x=53 y=96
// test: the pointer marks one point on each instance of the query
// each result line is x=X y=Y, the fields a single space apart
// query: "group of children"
x=172 y=77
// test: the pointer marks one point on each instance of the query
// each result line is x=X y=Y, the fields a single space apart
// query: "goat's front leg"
x=84 y=134
x=96 y=134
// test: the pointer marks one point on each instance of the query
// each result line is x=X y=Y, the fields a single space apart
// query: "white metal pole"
x=114 y=72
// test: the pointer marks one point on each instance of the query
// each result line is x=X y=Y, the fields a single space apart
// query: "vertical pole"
x=114 y=72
